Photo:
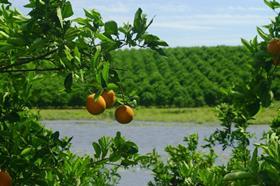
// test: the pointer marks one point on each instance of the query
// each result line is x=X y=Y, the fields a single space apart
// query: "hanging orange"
x=5 y=179
x=273 y=47
x=124 y=114
x=109 y=97
x=95 y=106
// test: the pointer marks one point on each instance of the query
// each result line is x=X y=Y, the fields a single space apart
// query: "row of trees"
x=186 y=77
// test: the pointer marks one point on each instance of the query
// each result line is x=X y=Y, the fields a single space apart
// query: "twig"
x=27 y=60
x=31 y=70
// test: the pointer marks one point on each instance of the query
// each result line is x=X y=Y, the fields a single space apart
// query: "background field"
x=200 y=115
x=187 y=77
x=193 y=78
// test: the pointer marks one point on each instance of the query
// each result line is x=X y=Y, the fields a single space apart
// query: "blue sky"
x=186 y=22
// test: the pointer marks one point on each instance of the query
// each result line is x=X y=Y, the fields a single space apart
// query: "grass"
x=193 y=115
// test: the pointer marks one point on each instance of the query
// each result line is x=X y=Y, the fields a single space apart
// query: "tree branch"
x=31 y=70
x=23 y=61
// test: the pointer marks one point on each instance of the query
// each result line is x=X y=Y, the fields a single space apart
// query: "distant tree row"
x=187 y=77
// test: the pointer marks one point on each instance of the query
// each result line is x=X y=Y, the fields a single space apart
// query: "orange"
x=124 y=114
x=273 y=46
x=109 y=97
x=5 y=179
x=95 y=106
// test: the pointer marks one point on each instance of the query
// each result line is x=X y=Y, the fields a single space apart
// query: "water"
x=147 y=135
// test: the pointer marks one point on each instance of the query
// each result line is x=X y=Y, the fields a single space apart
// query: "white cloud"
x=180 y=25
x=242 y=8
x=173 y=8
x=117 y=7
x=186 y=22
x=210 y=21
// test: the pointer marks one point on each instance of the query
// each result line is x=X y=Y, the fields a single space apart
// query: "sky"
x=186 y=22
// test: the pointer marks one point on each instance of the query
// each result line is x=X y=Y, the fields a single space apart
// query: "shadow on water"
x=148 y=136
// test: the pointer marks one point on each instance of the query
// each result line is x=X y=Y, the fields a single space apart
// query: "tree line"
x=186 y=77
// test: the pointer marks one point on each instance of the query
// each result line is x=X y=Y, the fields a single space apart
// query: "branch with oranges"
x=97 y=104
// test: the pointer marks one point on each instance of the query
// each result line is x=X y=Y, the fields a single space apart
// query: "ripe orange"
x=273 y=46
x=5 y=179
x=109 y=97
x=124 y=114
x=95 y=106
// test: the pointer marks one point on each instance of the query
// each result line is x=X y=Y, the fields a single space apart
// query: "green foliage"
x=185 y=166
x=49 y=40
x=34 y=155
x=187 y=77
x=247 y=98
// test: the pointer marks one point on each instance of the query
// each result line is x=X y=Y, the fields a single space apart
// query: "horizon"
x=185 y=23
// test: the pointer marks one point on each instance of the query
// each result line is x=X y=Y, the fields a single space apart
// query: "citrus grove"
x=48 y=40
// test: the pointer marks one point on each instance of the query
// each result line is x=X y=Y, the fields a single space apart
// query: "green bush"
x=34 y=155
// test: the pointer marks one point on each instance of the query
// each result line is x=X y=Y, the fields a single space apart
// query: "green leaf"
x=112 y=86
x=233 y=176
x=253 y=108
x=92 y=14
x=272 y=4
x=255 y=42
x=81 y=21
x=262 y=34
x=96 y=57
x=152 y=40
x=105 y=71
x=104 y=38
x=97 y=149
x=59 y=16
x=68 y=53
x=104 y=144
x=68 y=82
x=115 y=157
x=26 y=151
x=254 y=164
x=3 y=35
x=67 y=10
x=137 y=21
x=268 y=3
x=77 y=55
x=131 y=147
x=5 y=2
x=247 y=45
x=111 y=27
x=55 y=135
x=98 y=78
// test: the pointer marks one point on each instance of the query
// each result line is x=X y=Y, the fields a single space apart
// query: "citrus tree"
x=46 y=41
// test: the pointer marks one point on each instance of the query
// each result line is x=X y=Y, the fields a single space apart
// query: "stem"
x=31 y=70
x=122 y=92
x=26 y=60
